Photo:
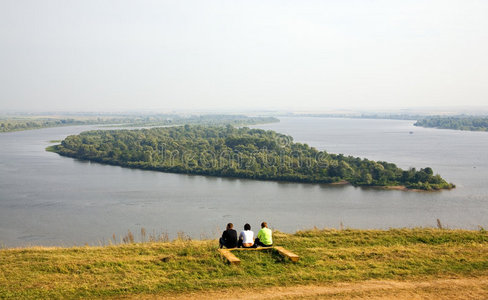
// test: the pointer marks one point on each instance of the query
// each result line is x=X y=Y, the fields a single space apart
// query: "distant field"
x=333 y=263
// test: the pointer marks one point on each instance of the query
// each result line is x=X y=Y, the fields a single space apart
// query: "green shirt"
x=264 y=235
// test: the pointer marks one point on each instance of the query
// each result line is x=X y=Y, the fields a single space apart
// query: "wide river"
x=47 y=199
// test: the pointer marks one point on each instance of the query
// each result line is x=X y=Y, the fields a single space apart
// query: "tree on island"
x=238 y=152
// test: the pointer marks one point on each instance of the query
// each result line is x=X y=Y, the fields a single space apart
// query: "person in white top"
x=246 y=238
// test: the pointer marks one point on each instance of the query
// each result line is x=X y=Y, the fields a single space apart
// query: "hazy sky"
x=163 y=55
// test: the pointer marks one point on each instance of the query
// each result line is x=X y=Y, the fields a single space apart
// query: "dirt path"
x=464 y=288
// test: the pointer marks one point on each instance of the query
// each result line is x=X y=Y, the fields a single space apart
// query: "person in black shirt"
x=229 y=237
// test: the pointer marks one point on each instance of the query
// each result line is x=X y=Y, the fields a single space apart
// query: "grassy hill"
x=185 y=266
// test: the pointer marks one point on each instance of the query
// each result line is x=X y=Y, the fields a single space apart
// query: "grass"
x=51 y=148
x=169 y=268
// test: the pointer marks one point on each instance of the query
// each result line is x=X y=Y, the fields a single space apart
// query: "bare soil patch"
x=446 y=288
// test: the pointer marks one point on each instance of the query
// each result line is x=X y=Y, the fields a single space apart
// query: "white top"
x=247 y=236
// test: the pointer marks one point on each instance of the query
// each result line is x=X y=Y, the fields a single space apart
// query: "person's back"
x=229 y=237
x=265 y=236
x=246 y=237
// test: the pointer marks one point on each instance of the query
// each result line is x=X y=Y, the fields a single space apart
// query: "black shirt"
x=230 y=238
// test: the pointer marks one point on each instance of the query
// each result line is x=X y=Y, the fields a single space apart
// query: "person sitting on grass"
x=264 y=238
x=229 y=237
x=246 y=237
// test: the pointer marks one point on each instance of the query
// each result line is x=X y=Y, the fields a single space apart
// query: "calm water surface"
x=46 y=199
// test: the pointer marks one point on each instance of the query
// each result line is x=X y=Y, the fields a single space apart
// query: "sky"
x=209 y=55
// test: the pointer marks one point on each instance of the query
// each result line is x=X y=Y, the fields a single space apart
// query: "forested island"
x=471 y=123
x=238 y=152
x=26 y=123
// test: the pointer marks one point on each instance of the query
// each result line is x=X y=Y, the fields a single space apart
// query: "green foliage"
x=237 y=152
x=458 y=122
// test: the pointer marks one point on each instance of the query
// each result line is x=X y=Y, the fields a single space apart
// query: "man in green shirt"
x=264 y=238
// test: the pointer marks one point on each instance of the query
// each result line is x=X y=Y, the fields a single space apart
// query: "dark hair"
x=247 y=227
x=230 y=226
x=264 y=224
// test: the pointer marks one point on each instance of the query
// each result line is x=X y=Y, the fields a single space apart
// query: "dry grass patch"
x=179 y=267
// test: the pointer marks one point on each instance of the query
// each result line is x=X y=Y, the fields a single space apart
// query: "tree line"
x=8 y=125
x=456 y=122
x=26 y=123
x=238 y=152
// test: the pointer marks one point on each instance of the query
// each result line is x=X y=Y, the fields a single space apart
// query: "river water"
x=47 y=199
